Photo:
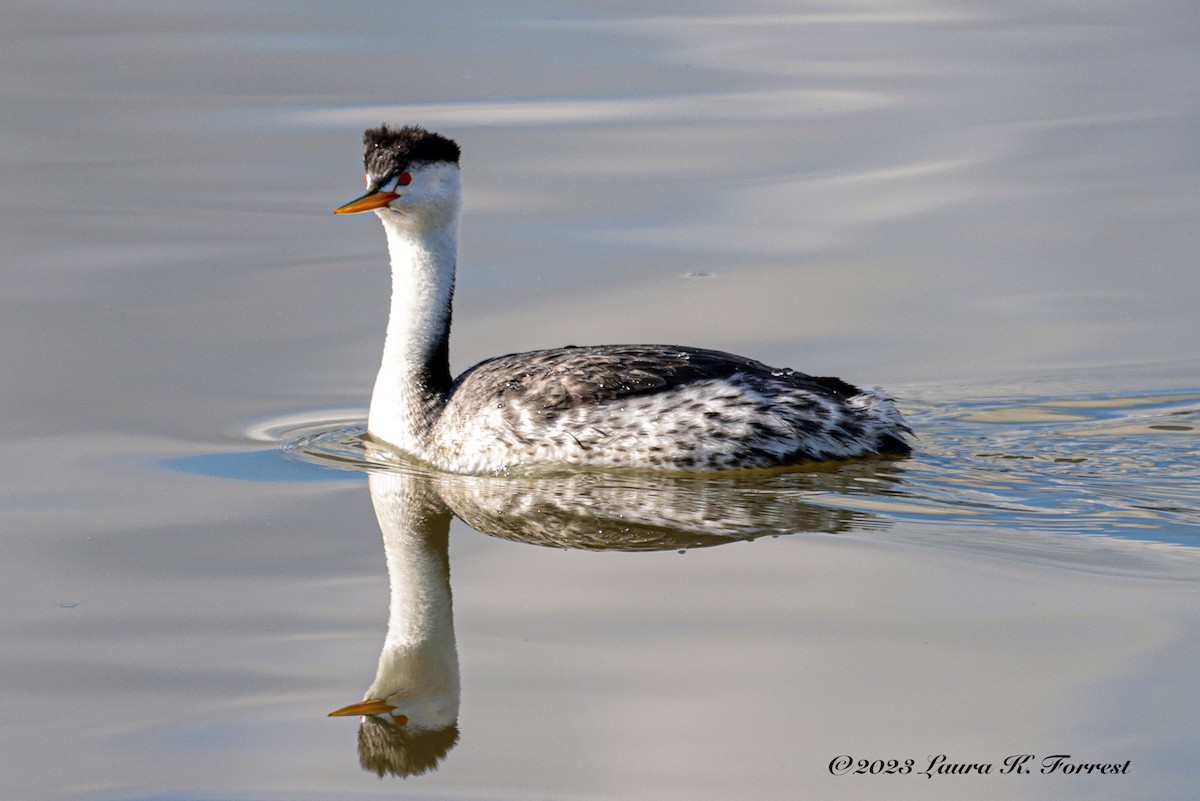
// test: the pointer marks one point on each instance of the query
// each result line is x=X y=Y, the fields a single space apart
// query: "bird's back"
x=658 y=406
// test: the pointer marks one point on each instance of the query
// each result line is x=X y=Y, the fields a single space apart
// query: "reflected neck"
x=414 y=377
x=418 y=666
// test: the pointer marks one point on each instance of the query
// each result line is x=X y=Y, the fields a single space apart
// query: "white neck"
x=415 y=374
x=418 y=666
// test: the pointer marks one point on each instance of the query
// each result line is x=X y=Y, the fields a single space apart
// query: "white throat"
x=410 y=389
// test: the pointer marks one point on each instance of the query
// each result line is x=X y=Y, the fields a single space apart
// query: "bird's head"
x=410 y=172
x=389 y=743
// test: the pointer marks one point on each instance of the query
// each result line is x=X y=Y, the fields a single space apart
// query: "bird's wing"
x=567 y=377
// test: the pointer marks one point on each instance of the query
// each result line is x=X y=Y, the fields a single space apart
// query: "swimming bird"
x=607 y=406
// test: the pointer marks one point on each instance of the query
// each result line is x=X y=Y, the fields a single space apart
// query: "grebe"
x=608 y=406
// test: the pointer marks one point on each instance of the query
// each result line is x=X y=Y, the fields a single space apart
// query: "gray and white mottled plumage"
x=656 y=406
x=649 y=406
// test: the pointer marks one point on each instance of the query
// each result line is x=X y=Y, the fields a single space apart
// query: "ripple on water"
x=1121 y=466
x=619 y=510
x=1116 y=465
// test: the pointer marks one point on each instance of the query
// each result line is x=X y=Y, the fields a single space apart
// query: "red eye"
x=404 y=180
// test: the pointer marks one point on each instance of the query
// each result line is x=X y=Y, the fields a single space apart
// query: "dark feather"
x=387 y=152
x=564 y=378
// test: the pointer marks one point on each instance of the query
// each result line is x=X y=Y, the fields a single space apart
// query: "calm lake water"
x=991 y=211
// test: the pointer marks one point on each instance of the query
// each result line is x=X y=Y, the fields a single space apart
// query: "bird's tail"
x=883 y=420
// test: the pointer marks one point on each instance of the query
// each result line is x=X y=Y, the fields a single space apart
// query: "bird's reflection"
x=410 y=711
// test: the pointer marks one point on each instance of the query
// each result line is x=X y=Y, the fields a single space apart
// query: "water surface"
x=989 y=211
